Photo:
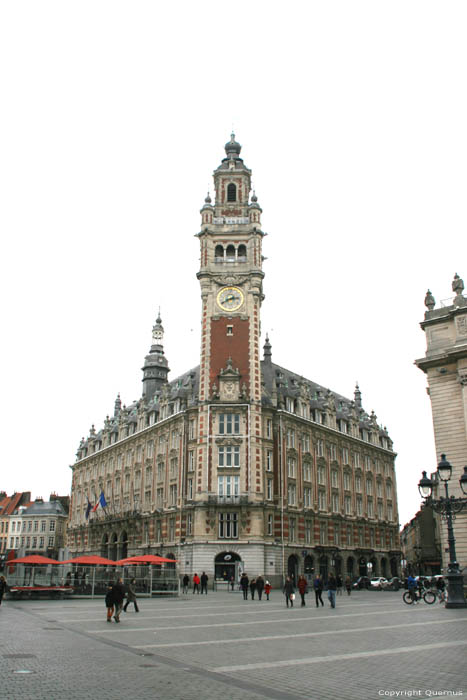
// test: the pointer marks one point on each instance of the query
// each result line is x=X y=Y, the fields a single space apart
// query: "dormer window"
x=231 y=192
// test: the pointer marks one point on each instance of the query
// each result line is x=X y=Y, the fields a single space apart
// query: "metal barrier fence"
x=92 y=581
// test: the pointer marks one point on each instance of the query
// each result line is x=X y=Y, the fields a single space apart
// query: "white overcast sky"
x=352 y=116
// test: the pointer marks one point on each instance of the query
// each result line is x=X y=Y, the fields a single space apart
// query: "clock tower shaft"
x=231 y=279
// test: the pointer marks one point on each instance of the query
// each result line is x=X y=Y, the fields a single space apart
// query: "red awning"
x=89 y=559
x=145 y=559
x=33 y=559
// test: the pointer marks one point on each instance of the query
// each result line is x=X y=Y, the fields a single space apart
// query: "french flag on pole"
x=101 y=502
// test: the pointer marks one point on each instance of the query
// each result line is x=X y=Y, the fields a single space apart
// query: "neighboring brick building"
x=239 y=463
x=8 y=505
x=39 y=528
x=445 y=365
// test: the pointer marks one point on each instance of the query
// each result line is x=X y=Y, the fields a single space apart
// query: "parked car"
x=392 y=584
x=377 y=583
x=361 y=582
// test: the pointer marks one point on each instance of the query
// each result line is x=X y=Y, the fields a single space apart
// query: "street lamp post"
x=448 y=507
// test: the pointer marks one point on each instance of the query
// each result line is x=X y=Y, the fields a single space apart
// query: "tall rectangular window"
x=229 y=423
x=292 y=529
x=291 y=464
x=269 y=428
x=228 y=525
x=191 y=461
x=347 y=505
x=359 y=505
x=189 y=489
x=307 y=497
x=335 y=502
x=307 y=471
x=173 y=495
x=269 y=460
x=323 y=533
x=270 y=521
x=290 y=437
x=291 y=494
x=269 y=485
x=322 y=499
x=189 y=524
x=229 y=456
x=308 y=532
x=171 y=529
x=228 y=485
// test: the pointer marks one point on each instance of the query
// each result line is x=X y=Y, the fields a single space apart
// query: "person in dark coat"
x=204 y=583
x=131 y=596
x=302 y=588
x=289 y=591
x=260 y=586
x=318 y=586
x=118 y=593
x=109 y=602
x=332 y=588
x=244 y=581
x=186 y=581
x=3 y=587
x=340 y=584
x=348 y=585
x=252 y=588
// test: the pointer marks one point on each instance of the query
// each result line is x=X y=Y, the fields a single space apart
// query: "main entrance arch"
x=292 y=567
x=226 y=566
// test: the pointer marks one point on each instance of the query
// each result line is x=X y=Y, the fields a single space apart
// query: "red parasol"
x=34 y=559
x=146 y=559
x=89 y=559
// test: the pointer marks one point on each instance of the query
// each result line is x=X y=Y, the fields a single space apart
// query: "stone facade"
x=445 y=365
x=239 y=464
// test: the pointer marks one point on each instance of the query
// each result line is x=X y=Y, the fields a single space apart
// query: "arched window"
x=241 y=253
x=219 y=253
x=230 y=253
x=231 y=192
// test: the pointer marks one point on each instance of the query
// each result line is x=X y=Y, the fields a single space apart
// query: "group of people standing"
x=255 y=585
x=197 y=582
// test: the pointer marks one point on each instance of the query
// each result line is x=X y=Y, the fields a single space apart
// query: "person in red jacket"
x=267 y=589
x=302 y=588
x=196 y=582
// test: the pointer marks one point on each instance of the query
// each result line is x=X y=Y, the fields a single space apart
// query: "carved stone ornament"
x=461 y=325
x=230 y=280
x=229 y=382
x=462 y=376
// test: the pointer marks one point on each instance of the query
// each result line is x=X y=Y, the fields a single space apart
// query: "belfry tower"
x=230 y=275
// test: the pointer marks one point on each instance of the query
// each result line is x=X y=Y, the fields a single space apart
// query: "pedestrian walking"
x=348 y=585
x=3 y=587
x=232 y=582
x=340 y=584
x=131 y=596
x=196 y=582
x=118 y=593
x=318 y=586
x=440 y=587
x=244 y=581
x=332 y=588
x=185 y=582
x=259 y=586
x=267 y=589
x=302 y=586
x=109 y=602
x=204 y=583
x=289 y=591
x=252 y=588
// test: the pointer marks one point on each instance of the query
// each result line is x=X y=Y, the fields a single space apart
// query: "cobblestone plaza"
x=219 y=646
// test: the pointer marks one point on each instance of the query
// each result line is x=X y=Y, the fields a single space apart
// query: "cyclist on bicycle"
x=412 y=586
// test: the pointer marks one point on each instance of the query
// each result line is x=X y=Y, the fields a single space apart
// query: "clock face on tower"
x=230 y=298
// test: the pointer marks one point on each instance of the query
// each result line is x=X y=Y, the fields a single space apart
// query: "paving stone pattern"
x=221 y=647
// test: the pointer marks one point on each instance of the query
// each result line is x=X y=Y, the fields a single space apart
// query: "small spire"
x=267 y=354
x=358 y=396
x=208 y=199
x=158 y=330
x=118 y=406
